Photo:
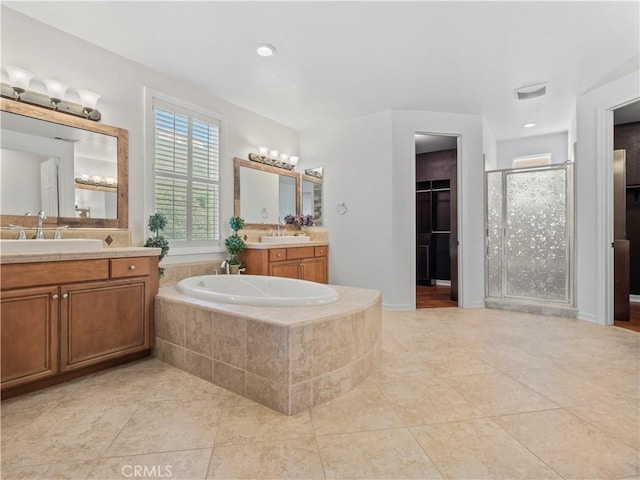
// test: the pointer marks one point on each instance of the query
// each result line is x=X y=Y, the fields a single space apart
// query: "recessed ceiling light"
x=266 y=50
x=529 y=125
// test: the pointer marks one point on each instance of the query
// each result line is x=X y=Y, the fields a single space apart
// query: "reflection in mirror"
x=264 y=194
x=72 y=169
x=47 y=160
x=312 y=197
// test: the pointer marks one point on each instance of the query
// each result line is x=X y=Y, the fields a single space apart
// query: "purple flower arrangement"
x=299 y=220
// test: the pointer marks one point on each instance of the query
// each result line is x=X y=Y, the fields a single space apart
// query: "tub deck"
x=287 y=358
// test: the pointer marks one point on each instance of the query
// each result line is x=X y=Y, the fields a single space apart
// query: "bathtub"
x=257 y=290
x=288 y=358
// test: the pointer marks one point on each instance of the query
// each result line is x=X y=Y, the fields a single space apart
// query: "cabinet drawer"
x=299 y=252
x=129 y=267
x=276 y=254
x=18 y=275
x=320 y=251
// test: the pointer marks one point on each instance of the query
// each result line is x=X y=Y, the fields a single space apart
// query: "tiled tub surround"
x=287 y=358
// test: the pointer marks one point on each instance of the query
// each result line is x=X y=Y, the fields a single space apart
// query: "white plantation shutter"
x=187 y=173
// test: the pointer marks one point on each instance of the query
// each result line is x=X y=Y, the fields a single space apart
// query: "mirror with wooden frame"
x=263 y=194
x=73 y=169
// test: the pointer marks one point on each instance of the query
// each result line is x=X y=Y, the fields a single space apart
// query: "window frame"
x=152 y=99
x=532 y=161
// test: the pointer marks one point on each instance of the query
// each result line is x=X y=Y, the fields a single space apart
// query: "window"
x=186 y=170
x=539 y=160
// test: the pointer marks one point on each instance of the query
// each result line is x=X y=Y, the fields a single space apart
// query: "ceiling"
x=338 y=60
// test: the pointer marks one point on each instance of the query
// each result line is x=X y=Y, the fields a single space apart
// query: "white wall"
x=470 y=204
x=357 y=159
x=370 y=166
x=20 y=197
x=489 y=147
x=554 y=143
x=48 y=52
x=594 y=196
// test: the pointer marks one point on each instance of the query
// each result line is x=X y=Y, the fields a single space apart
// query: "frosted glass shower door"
x=529 y=234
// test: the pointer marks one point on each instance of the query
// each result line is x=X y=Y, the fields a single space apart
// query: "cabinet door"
x=314 y=269
x=103 y=320
x=29 y=331
x=288 y=269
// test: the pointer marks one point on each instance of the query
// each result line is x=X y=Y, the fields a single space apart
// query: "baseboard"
x=588 y=317
x=399 y=307
x=634 y=298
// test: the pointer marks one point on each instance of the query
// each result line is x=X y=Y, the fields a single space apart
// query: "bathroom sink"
x=51 y=246
x=287 y=239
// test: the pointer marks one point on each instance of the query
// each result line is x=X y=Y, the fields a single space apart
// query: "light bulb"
x=293 y=160
x=273 y=153
x=284 y=157
x=56 y=89
x=88 y=99
x=263 y=150
x=19 y=78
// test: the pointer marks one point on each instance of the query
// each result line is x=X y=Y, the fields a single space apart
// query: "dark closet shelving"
x=433 y=224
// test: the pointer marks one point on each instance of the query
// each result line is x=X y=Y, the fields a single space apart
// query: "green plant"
x=157 y=223
x=235 y=243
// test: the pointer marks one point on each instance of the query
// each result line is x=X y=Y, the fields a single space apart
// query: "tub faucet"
x=225 y=265
x=40 y=231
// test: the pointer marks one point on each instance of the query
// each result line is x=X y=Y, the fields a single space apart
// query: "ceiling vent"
x=531 y=91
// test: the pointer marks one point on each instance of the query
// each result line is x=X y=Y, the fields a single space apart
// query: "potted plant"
x=157 y=223
x=234 y=244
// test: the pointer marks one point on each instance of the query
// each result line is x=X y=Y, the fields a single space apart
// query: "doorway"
x=436 y=220
x=626 y=216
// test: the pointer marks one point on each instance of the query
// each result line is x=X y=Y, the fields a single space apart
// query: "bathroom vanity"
x=308 y=261
x=64 y=315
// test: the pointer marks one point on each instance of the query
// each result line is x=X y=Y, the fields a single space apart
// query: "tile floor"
x=468 y=394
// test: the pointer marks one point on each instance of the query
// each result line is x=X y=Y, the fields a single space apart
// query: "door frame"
x=412 y=296
x=604 y=209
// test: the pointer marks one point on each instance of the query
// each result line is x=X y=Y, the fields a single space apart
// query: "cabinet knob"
x=54 y=296
x=132 y=267
x=278 y=254
x=65 y=295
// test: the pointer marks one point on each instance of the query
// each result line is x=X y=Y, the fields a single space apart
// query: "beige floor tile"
x=479 y=449
x=167 y=426
x=283 y=459
x=434 y=401
x=563 y=387
x=499 y=394
x=570 y=446
x=507 y=357
x=184 y=465
x=15 y=421
x=57 y=471
x=400 y=365
x=618 y=419
x=245 y=422
x=363 y=408
x=385 y=454
x=73 y=434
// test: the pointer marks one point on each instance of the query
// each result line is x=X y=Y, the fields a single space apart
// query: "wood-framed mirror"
x=73 y=169
x=263 y=194
x=311 y=193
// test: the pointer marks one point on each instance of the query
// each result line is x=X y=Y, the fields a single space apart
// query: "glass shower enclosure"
x=529 y=234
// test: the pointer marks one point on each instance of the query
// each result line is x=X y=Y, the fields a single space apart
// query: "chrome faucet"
x=40 y=231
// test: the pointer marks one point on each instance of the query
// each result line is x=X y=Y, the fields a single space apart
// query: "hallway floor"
x=459 y=394
x=434 y=296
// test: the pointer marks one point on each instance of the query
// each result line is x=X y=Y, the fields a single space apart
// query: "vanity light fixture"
x=56 y=91
x=284 y=157
x=263 y=150
x=88 y=100
x=18 y=90
x=274 y=153
x=293 y=160
x=19 y=79
x=266 y=50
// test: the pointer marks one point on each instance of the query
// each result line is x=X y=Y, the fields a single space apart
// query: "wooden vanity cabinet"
x=79 y=315
x=303 y=263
